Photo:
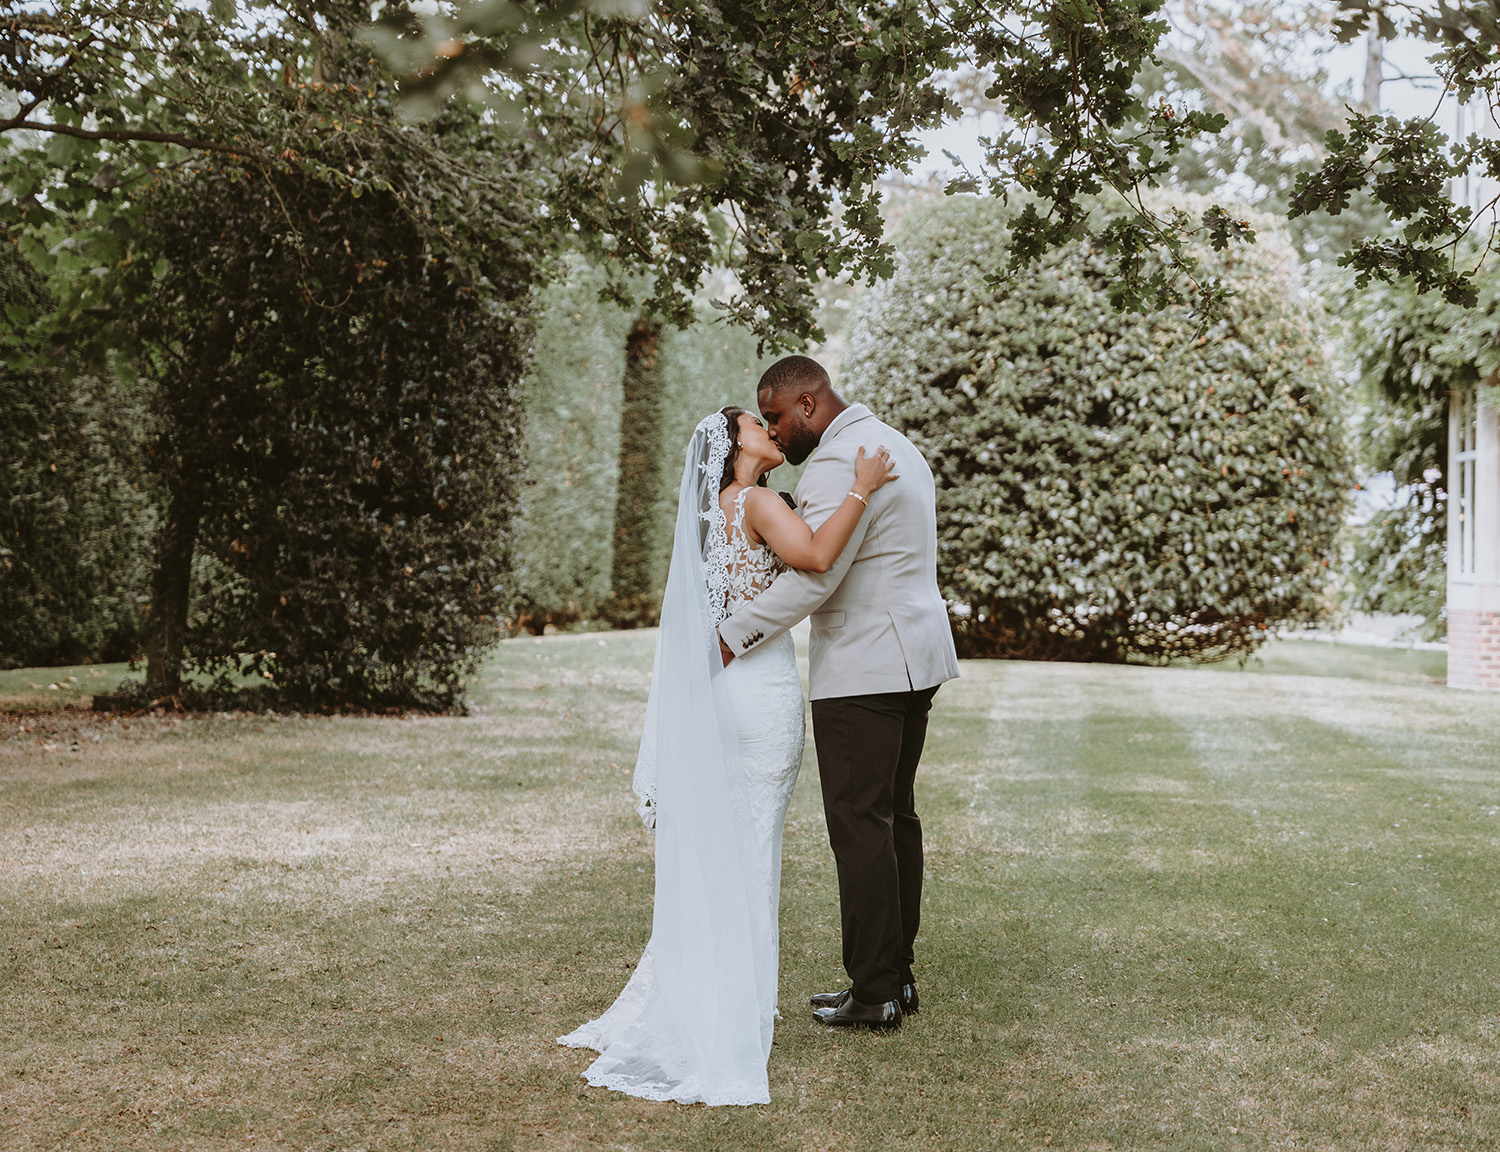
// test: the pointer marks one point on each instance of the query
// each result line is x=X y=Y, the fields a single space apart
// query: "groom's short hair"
x=794 y=374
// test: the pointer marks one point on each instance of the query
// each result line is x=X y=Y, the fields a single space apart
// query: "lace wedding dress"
x=766 y=692
x=694 y=1022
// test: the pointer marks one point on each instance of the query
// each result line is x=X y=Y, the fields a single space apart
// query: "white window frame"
x=1464 y=467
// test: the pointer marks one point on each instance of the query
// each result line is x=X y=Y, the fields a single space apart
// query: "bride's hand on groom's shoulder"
x=872 y=472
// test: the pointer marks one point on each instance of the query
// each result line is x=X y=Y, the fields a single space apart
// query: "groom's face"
x=786 y=415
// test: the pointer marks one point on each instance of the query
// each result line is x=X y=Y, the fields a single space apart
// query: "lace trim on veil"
x=716 y=553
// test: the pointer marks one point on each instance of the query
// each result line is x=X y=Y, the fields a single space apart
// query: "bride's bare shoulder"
x=758 y=497
x=762 y=506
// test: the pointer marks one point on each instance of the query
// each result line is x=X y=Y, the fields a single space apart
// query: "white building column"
x=1473 y=542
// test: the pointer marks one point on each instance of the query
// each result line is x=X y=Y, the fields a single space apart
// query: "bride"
x=719 y=756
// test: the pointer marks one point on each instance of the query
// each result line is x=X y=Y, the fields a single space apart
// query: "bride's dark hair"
x=732 y=420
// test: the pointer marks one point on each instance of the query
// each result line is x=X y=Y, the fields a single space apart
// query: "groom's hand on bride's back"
x=725 y=652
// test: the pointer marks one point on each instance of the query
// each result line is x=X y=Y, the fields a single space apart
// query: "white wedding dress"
x=708 y=1039
x=766 y=692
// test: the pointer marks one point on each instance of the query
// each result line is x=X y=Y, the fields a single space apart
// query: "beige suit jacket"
x=879 y=623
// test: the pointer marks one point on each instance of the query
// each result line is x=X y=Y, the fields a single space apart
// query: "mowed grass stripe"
x=1191 y=871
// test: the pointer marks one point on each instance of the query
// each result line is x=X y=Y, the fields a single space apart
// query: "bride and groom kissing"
x=723 y=736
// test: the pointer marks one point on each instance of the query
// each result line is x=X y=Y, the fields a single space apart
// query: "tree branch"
x=137 y=136
x=1235 y=99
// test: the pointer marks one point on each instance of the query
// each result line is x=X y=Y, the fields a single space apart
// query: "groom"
x=881 y=645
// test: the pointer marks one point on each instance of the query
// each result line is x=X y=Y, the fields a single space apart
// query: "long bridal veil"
x=694 y=1022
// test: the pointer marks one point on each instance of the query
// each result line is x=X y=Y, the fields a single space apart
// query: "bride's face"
x=756 y=443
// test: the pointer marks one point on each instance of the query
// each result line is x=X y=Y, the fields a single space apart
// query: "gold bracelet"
x=858 y=497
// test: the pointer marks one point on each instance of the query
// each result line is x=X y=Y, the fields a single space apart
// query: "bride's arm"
x=789 y=535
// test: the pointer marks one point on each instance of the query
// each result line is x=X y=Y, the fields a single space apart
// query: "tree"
x=1111 y=486
x=633 y=591
x=754 y=135
x=1408 y=167
x=316 y=291
x=335 y=392
x=73 y=516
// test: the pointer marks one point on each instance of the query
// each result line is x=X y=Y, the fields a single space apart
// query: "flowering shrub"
x=1111 y=486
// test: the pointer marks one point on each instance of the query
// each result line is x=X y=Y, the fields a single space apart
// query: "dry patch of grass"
x=271 y=931
x=1171 y=909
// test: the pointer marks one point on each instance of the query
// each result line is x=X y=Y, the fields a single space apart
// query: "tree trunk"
x=171 y=586
x=640 y=463
x=1374 y=68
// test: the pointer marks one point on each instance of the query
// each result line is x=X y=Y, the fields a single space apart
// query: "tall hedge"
x=574 y=397
x=1110 y=486
x=335 y=384
x=74 y=516
x=643 y=463
x=571 y=399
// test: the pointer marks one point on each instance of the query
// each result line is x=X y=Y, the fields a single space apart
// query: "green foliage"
x=689 y=132
x=1413 y=351
x=565 y=540
x=23 y=292
x=1258 y=64
x=335 y=391
x=571 y=445
x=1409 y=168
x=1110 y=486
x=671 y=140
x=742 y=134
x=1414 y=345
x=73 y=518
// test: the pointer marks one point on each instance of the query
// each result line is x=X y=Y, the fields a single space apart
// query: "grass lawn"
x=1291 y=657
x=1167 y=909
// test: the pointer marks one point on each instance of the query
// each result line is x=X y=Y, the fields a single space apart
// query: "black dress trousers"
x=868 y=748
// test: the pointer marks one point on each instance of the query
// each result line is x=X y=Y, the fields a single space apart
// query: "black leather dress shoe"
x=910 y=1002
x=829 y=999
x=852 y=1014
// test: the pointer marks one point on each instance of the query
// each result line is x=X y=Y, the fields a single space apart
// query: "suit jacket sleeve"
x=795 y=594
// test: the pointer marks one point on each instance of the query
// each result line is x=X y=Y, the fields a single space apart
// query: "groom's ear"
x=807 y=402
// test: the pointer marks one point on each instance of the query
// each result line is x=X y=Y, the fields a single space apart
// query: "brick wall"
x=1473 y=649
